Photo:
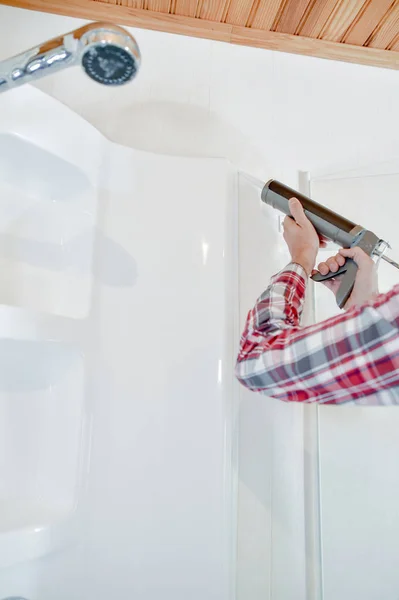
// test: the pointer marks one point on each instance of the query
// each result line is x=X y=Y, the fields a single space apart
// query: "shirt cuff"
x=294 y=278
x=297 y=268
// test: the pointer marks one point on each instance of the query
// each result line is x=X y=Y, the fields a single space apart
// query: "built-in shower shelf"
x=22 y=324
x=29 y=531
x=47 y=227
x=41 y=431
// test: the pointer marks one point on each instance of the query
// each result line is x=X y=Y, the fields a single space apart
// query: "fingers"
x=323 y=268
x=362 y=259
x=331 y=264
x=297 y=211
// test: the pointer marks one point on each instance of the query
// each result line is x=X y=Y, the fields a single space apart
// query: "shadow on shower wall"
x=177 y=129
x=113 y=265
x=49 y=234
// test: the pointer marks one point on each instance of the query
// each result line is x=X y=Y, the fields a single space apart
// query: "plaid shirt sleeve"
x=342 y=359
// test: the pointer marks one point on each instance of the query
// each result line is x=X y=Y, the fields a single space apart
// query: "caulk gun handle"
x=348 y=272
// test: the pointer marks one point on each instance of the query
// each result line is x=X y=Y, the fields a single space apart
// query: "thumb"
x=297 y=211
x=358 y=255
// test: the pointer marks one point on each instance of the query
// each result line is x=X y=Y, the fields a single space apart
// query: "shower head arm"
x=65 y=51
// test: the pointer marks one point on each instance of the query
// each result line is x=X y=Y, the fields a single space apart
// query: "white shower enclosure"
x=118 y=330
x=131 y=464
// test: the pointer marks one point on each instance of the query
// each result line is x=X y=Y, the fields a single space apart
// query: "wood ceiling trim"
x=285 y=42
x=364 y=26
x=387 y=30
x=123 y=15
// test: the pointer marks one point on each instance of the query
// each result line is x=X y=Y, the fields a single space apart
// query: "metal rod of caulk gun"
x=389 y=260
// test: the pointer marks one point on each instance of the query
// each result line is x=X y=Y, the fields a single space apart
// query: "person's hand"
x=366 y=282
x=301 y=237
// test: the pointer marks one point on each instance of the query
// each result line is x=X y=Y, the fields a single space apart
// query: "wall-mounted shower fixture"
x=108 y=54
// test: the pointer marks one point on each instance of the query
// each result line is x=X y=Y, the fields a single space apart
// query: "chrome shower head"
x=108 y=54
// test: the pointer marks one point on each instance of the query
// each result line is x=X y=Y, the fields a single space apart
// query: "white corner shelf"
x=29 y=531
x=51 y=168
x=47 y=229
x=41 y=426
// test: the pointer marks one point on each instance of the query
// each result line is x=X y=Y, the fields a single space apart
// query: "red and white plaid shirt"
x=350 y=358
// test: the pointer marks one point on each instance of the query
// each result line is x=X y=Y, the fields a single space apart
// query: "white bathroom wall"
x=359 y=481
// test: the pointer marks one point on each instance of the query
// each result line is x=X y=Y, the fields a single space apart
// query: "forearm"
x=354 y=354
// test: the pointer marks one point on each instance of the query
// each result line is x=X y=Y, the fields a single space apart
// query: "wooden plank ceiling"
x=362 y=31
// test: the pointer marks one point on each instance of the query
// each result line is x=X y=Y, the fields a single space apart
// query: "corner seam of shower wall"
x=312 y=503
x=259 y=184
x=234 y=208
